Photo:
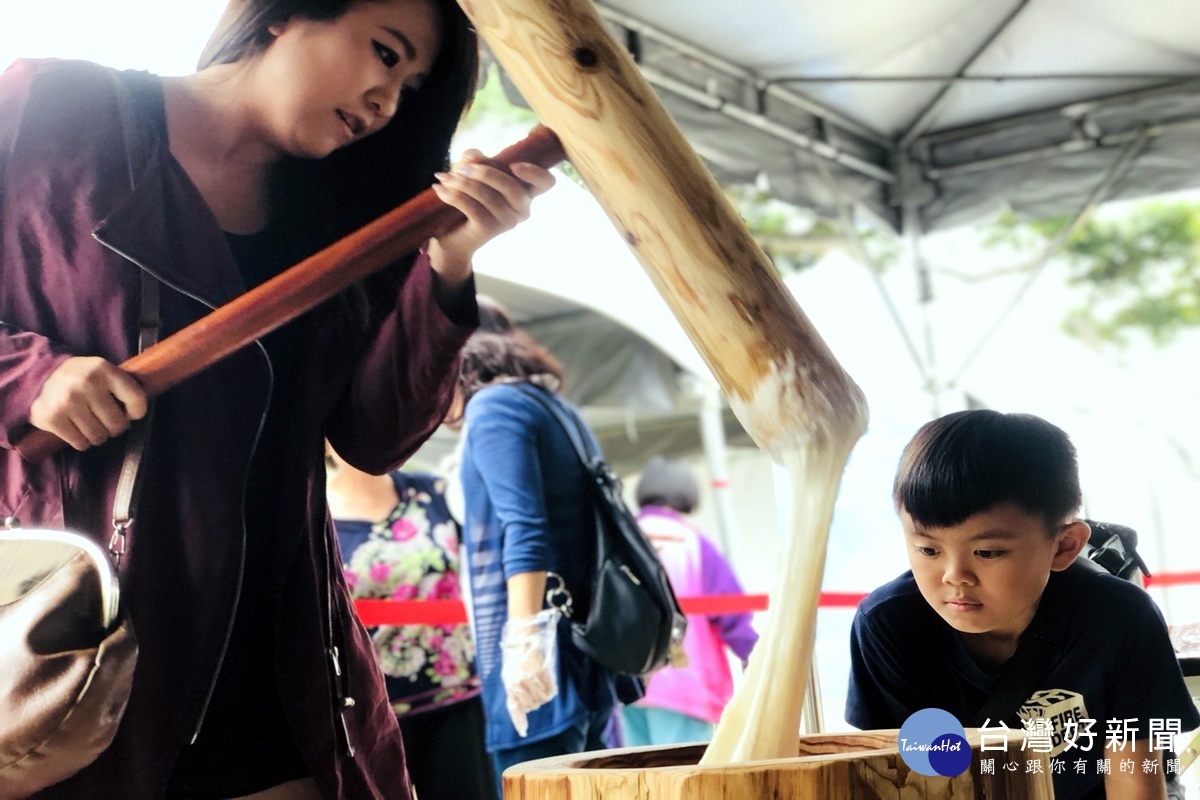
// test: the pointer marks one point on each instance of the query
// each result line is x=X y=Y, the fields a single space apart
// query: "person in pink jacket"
x=682 y=704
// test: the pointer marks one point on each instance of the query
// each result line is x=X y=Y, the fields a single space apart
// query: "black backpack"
x=633 y=619
x=1114 y=547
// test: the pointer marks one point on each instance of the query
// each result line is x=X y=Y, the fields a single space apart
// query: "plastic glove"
x=528 y=668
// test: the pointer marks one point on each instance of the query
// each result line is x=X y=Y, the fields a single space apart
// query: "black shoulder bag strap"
x=1041 y=642
x=559 y=595
x=629 y=688
x=149 y=325
x=569 y=423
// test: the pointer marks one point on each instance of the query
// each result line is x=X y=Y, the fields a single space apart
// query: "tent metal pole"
x=741 y=73
x=1076 y=110
x=990 y=77
x=813 y=719
x=846 y=223
x=925 y=299
x=1013 y=159
x=712 y=434
x=926 y=117
x=911 y=176
x=766 y=125
x=1115 y=172
x=1065 y=148
x=910 y=183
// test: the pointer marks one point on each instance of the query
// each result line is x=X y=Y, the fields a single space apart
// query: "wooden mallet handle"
x=298 y=289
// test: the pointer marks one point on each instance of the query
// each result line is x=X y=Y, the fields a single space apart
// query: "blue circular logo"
x=932 y=742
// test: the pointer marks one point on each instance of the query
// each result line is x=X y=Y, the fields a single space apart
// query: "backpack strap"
x=558 y=594
x=570 y=423
x=1114 y=547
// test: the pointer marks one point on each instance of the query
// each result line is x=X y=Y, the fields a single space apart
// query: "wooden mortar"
x=844 y=766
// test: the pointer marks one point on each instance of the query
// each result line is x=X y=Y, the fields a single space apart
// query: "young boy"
x=998 y=621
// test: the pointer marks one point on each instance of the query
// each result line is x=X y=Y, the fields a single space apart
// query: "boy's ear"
x=1069 y=542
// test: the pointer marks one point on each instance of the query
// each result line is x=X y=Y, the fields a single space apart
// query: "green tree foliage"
x=492 y=107
x=1139 y=272
x=795 y=238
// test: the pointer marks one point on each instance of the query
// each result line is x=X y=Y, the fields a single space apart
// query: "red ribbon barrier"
x=452 y=612
x=410 y=612
x=1164 y=579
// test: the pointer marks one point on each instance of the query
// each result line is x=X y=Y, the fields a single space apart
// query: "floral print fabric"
x=413 y=555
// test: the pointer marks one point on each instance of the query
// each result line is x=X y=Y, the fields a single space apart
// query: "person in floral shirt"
x=399 y=541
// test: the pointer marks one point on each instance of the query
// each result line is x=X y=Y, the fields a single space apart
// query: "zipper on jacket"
x=262 y=420
x=237 y=595
x=343 y=700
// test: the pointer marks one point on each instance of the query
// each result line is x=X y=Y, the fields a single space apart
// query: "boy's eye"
x=989 y=554
x=387 y=55
x=928 y=552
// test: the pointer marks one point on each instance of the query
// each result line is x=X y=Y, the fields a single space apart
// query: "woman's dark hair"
x=340 y=193
x=489 y=358
x=670 y=483
x=968 y=462
x=493 y=316
x=325 y=199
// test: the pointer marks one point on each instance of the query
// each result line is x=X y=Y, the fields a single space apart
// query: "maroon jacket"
x=74 y=236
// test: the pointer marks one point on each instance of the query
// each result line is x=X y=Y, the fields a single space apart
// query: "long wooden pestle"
x=783 y=382
x=300 y=288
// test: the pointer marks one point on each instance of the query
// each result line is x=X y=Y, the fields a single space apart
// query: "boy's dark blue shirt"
x=1116 y=662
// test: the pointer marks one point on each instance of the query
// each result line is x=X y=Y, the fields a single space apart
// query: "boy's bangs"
x=967 y=463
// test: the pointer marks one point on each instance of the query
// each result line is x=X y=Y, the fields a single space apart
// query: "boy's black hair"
x=969 y=462
x=670 y=483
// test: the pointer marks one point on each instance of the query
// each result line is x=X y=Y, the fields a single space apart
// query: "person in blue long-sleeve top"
x=527 y=519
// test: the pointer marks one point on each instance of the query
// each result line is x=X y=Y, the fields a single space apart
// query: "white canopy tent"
x=931 y=112
x=926 y=115
x=569 y=280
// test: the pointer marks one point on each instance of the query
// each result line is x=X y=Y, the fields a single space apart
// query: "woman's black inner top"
x=245 y=744
x=260 y=257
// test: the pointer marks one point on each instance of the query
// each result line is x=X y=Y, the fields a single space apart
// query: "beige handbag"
x=66 y=657
x=67 y=651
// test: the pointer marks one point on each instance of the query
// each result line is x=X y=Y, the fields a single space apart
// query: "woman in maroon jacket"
x=286 y=139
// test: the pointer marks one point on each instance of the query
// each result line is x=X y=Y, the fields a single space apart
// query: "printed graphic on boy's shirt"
x=1056 y=714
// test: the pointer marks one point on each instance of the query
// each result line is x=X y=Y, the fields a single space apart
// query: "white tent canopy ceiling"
x=569 y=279
x=930 y=113
x=639 y=399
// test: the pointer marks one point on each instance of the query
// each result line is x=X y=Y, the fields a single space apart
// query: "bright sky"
x=163 y=36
